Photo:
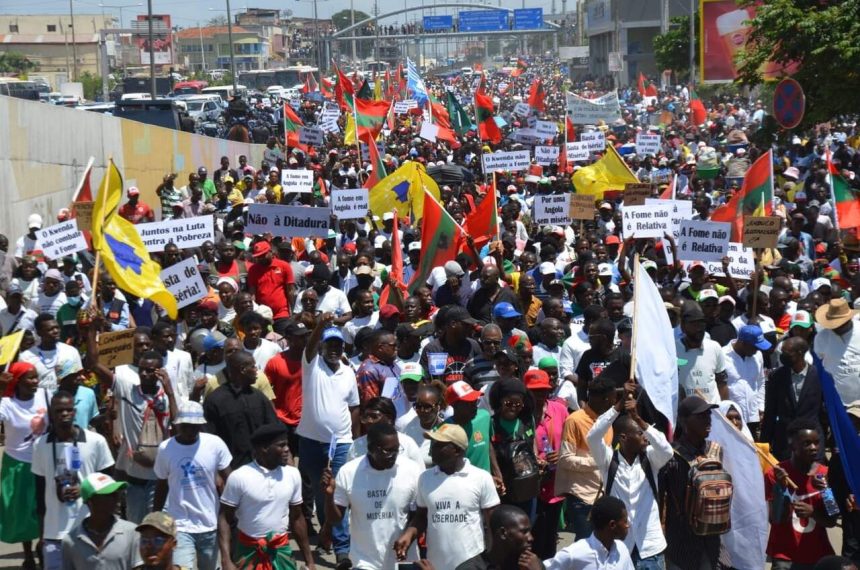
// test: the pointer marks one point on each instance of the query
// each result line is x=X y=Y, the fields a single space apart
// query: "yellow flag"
x=608 y=173
x=377 y=88
x=349 y=132
x=107 y=201
x=403 y=190
x=9 y=346
x=123 y=253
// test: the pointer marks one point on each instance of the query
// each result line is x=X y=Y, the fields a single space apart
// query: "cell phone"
x=407 y=566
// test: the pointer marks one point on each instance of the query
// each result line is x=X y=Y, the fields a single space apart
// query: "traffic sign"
x=789 y=103
x=483 y=21
x=528 y=18
x=433 y=23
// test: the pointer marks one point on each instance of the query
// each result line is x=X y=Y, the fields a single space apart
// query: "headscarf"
x=17 y=370
x=724 y=408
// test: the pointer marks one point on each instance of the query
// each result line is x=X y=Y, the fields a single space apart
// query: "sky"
x=187 y=13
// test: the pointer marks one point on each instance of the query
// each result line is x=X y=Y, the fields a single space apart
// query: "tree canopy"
x=342 y=19
x=672 y=49
x=15 y=62
x=822 y=37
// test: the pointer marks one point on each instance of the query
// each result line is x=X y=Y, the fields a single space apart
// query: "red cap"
x=349 y=248
x=460 y=391
x=208 y=304
x=261 y=248
x=613 y=240
x=388 y=311
x=537 y=380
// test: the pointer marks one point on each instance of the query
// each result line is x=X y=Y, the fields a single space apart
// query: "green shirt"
x=209 y=189
x=480 y=434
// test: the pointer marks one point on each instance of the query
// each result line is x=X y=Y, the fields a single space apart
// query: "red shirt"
x=235 y=270
x=139 y=213
x=285 y=376
x=269 y=283
x=800 y=540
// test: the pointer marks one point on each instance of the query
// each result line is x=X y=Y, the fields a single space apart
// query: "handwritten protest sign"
x=403 y=107
x=288 y=221
x=741 y=262
x=546 y=155
x=595 y=141
x=577 y=151
x=546 y=129
x=552 y=210
x=311 y=136
x=60 y=239
x=761 y=231
x=116 y=348
x=581 y=207
x=704 y=241
x=582 y=111
x=83 y=214
x=184 y=232
x=522 y=109
x=647 y=144
x=184 y=282
x=636 y=194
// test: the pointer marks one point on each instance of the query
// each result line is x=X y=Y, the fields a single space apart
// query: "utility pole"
x=74 y=45
x=692 y=42
x=151 y=50
x=232 y=50
x=202 y=53
x=352 y=23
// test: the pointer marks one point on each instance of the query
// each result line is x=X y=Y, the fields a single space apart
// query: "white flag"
x=656 y=358
x=745 y=543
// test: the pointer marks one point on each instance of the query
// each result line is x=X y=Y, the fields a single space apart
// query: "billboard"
x=433 y=23
x=483 y=21
x=161 y=39
x=528 y=18
x=724 y=28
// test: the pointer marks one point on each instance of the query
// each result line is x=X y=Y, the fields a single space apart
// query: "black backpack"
x=646 y=466
x=517 y=462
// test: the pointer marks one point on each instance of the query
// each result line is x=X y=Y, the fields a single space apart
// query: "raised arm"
x=312 y=347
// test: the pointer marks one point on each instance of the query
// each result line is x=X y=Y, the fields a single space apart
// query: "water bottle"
x=546 y=446
x=830 y=505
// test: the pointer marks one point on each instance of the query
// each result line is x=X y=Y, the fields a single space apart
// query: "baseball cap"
x=449 y=433
x=411 y=371
x=647 y=265
x=453 y=269
x=296 y=328
x=605 y=206
x=388 y=311
x=706 y=294
x=460 y=391
x=604 y=270
x=133 y=191
x=820 y=282
x=261 y=248
x=505 y=310
x=415 y=246
x=547 y=362
x=696 y=265
x=100 y=484
x=694 y=405
x=727 y=299
x=547 y=268
x=458 y=313
x=387 y=216
x=54 y=274
x=751 y=334
x=34 y=221
x=363 y=270
x=14 y=288
x=613 y=240
x=801 y=319
x=190 y=412
x=160 y=521
x=332 y=333
x=68 y=367
x=537 y=380
x=214 y=340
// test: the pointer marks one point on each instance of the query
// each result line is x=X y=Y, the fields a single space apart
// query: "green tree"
x=343 y=19
x=15 y=62
x=672 y=49
x=821 y=38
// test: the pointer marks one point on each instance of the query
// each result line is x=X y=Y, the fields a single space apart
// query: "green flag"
x=459 y=119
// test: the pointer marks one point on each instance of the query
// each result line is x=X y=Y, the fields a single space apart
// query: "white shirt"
x=379 y=502
x=23 y=320
x=333 y=301
x=590 y=554
x=408 y=449
x=631 y=484
x=47 y=362
x=746 y=382
x=180 y=368
x=44 y=304
x=326 y=398
x=263 y=498
x=263 y=353
x=703 y=364
x=351 y=327
x=409 y=424
x=572 y=350
x=541 y=350
x=95 y=456
x=840 y=356
x=190 y=471
x=24 y=420
x=455 y=505
x=566 y=392
x=132 y=405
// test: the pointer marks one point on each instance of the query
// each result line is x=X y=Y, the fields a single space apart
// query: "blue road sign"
x=432 y=23
x=528 y=19
x=484 y=21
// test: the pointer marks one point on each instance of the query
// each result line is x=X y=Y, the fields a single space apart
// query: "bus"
x=14 y=87
x=189 y=87
x=262 y=79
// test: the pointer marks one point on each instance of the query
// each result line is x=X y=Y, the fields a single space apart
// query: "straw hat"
x=834 y=314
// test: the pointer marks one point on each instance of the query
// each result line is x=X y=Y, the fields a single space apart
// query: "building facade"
x=208 y=47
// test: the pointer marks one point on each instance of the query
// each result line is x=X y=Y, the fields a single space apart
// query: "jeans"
x=655 y=562
x=307 y=492
x=577 y=516
x=138 y=500
x=52 y=554
x=313 y=455
x=201 y=547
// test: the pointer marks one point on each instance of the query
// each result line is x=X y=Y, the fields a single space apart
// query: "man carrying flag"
x=756 y=194
x=488 y=130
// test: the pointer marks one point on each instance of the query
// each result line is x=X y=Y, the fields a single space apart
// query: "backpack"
x=518 y=464
x=151 y=433
x=709 y=494
x=643 y=462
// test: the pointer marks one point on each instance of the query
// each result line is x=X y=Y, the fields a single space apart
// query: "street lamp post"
x=121 y=26
x=151 y=50
x=230 y=40
x=74 y=44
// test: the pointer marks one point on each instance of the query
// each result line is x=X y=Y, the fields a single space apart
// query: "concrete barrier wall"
x=44 y=150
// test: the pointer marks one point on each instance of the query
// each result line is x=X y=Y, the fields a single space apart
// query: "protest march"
x=505 y=321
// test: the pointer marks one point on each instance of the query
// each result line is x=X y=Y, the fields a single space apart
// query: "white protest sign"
x=311 y=136
x=594 y=140
x=349 y=203
x=577 y=151
x=329 y=125
x=296 y=103
x=428 y=131
x=552 y=210
x=546 y=155
x=546 y=129
x=506 y=161
x=184 y=282
x=297 y=181
x=288 y=221
x=741 y=263
x=365 y=150
x=646 y=221
x=522 y=109
x=647 y=144
x=60 y=239
x=184 y=232
x=704 y=241
x=403 y=107
x=531 y=122
x=582 y=111
x=681 y=210
x=526 y=136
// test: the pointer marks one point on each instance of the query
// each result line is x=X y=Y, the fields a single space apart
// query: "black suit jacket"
x=781 y=407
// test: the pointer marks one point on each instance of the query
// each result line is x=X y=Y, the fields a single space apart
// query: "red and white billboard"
x=162 y=47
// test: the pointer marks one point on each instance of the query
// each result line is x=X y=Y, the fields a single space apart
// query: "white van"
x=198 y=105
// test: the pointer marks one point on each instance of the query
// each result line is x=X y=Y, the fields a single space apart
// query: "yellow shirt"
x=577 y=472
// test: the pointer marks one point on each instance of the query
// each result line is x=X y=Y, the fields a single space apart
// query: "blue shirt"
x=86 y=407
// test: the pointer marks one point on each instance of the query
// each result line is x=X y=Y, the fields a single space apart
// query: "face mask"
x=74 y=301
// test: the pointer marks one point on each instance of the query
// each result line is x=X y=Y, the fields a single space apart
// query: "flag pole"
x=101 y=198
x=81 y=182
x=496 y=208
x=636 y=288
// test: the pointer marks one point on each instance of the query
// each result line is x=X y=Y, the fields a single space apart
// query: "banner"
x=60 y=239
x=582 y=111
x=349 y=203
x=594 y=140
x=761 y=231
x=577 y=151
x=546 y=155
x=403 y=107
x=184 y=232
x=704 y=241
x=116 y=348
x=546 y=129
x=522 y=109
x=581 y=207
x=741 y=263
x=646 y=221
x=552 y=210
x=506 y=161
x=301 y=181
x=184 y=282
x=647 y=144
x=311 y=136
x=288 y=221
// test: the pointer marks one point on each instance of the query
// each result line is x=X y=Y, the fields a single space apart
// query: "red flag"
x=342 y=88
x=521 y=67
x=440 y=115
x=697 y=109
x=292 y=124
x=310 y=85
x=536 y=96
x=84 y=192
x=388 y=93
x=370 y=117
x=645 y=87
x=378 y=172
x=756 y=194
x=396 y=272
x=326 y=88
x=483 y=223
x=487 y=128
x=441 y=238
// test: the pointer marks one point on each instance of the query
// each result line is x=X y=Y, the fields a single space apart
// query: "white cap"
x=547 y=268
x=387 y=216
x=34 y=221
x=604 y=269
x=378 y=242
x=415 y=246
x=820 y=282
